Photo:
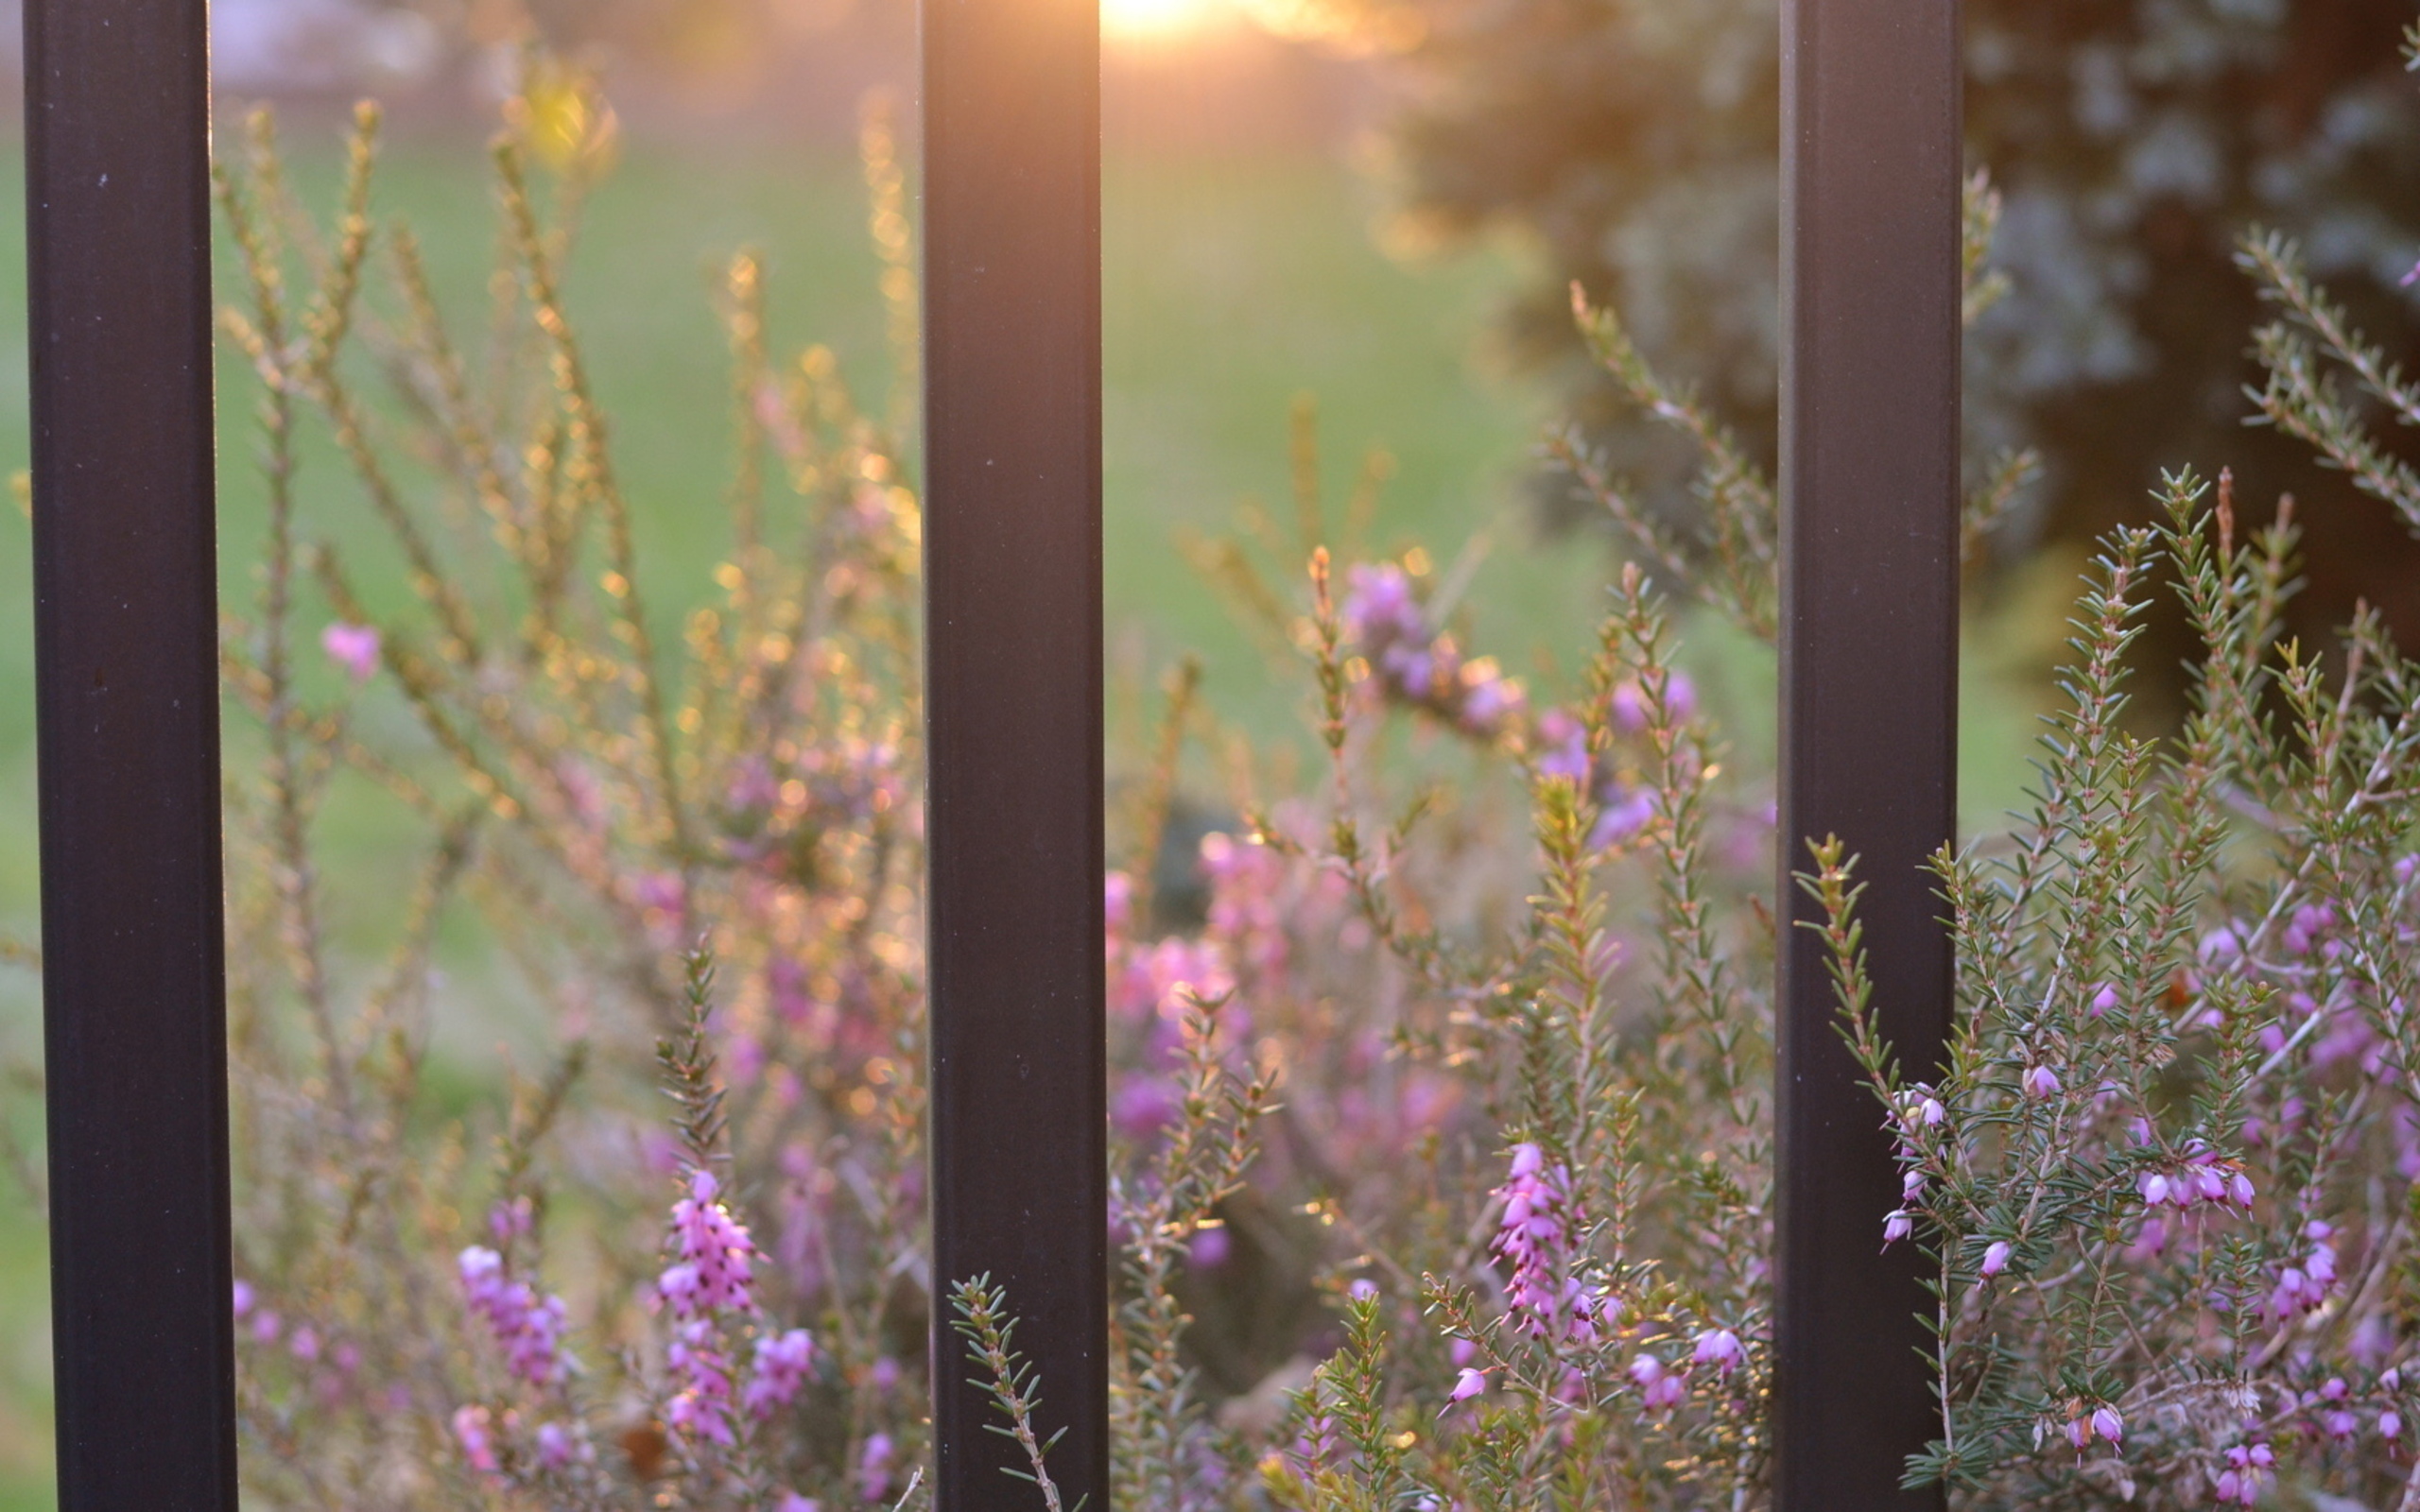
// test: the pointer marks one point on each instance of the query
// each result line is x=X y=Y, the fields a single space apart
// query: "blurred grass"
x=1232 y=286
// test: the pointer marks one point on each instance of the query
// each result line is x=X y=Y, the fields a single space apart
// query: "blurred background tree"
x=1636 y=142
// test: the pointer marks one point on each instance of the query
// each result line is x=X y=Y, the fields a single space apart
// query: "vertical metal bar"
x=1869 y=658
x=126 y=627
x=1011 y=186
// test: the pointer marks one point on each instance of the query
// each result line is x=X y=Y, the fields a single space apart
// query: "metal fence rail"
x=1869 y=654
x=126 y=626
x=119 y=275
x=1014 y=688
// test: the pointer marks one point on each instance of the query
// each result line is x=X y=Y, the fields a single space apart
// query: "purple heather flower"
x=712 y=1274
x=1898 y=1225
x=792 y=1501
x=2041 y=1081
x=353 y=647
x=781 y=1369
x=1468 y=1385
x=701 y=1408
x=2107 y=1423
x=527 y=1328
x=243 y=1298
x=1996 y=1257
x=266 y=1326
x=2389 y=1424
x=2247 y=1472
x=478 y=1445
x=1659 y=1387
x=1533 y=1236
x=2105 y=1000
x=874 y=1466
x=1720 y=1347
x=1210 y=1248
x=558 y=1446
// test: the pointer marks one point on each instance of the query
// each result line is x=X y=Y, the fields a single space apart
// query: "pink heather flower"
x=266 y=1326
x=2041 y=1081
x=781 y=1369
x=511 y=1220
x=1533 y=1236
x=1464 y=1351
x=2390 y=1378
x=1919 y=1109
x=1898 y=1225
x=2105 y=1000
x=304 y=1343
x=873 y=1467
x=2389 y=1424
x=2107 y=1423
x=1720 y=1347
x=353 y=647
x=1996 y=1257
x=243 y=1298
x=2340 y=1423
x=701 y=1408
x=1629 y=812
x=792 y=1501
x=2247 y=1472
x=2078 y=1433
x=2220 y=946
x=1468 y=1385
x=712 y=1274
x=527 y=1328
x=471 y=1432
x=1210 y=1248
x=2154 y=1187
x=1911 y=1186
x=558 y=1446
x=1659 y=1389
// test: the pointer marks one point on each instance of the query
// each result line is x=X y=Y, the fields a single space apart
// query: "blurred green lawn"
x=1231 y=286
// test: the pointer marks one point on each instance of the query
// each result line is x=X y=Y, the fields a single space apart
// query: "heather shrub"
x=1443 y=1162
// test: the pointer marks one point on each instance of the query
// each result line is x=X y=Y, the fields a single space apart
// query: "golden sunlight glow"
x=1150 y=21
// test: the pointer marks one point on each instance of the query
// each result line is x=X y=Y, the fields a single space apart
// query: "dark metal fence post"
x=1868 y=648
x=126 y=622
x=1013 y=658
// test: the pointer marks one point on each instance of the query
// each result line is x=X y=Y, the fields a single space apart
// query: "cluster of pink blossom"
x=329 y=1369
x=1534 y=1237
x=2206 y=1178
x=1414 y=665
x=2249 y=1470
x=781 y=1369
x=1662 y=1386
x=1624 y=808
x=1247 y=886
x=876 y=1462
x=528 y=1328
x=473 y=1430
x=353 y=647
x=709 y=1279
x=2301 y=1288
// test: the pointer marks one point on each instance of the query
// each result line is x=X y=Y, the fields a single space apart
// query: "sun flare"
x=1153 y=20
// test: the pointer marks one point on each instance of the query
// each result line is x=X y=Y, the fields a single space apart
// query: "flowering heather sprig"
x=782 y=1363
x=1534 y=1236
x=2303 y=1288
x=1414 y=665
x=527 y=1328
